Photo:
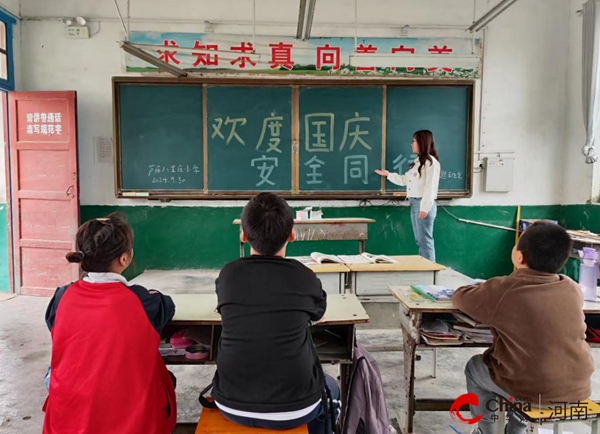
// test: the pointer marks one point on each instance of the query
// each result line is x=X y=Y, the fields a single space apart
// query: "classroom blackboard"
x=442 y=110
x=340 y=138
x=161 y=137
x=249 y=137
x=214 y=138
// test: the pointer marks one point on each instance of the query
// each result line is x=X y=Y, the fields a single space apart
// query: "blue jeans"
x=423 y=228
x=315 y=420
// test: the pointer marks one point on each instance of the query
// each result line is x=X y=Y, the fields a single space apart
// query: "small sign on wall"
x=103 y=150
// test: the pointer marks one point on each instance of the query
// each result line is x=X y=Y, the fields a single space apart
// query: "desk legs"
x=406 y=425
x=345 y=373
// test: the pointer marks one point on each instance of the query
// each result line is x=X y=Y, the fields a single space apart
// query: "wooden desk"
x=334 y=229
x=200 y=309
x=412 y=310
x=375 y=279
x=333 y=276
x=583 y=239
x=344 y=311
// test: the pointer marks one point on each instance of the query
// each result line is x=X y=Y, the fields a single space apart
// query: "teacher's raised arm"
x=422 y=182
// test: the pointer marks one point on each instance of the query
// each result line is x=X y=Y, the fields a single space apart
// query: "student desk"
x=334 y=229
x=583 y=239
x=332 y=276
x=413 y=309
x=375 y=279
x=334 y=337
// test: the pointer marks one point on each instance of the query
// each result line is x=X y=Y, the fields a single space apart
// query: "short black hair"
x=545 y=246
x=100 y=242
x=267 y=221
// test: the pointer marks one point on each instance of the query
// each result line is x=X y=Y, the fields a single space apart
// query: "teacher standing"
x=422 y=181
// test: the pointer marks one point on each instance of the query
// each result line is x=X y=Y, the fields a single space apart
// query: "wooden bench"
x=213 y=422
x=554 y=416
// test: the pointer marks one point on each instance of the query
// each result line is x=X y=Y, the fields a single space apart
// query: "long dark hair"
x=426 y=148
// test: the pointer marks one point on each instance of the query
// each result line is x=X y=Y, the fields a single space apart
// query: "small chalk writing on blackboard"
x=174 y=180
x=450 y=175
x=174 y=174
x=155 y=169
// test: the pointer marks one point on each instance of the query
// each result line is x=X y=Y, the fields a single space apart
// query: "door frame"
x=15 y=268
x=7 y=173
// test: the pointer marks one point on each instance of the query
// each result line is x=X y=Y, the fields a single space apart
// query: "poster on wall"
x=440 y=57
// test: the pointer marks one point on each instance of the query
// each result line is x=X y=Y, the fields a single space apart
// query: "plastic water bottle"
x=588 y=273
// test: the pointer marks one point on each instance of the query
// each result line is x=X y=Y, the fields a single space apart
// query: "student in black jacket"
x=268 y=372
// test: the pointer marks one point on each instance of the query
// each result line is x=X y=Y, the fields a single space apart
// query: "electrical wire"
x=473 y=222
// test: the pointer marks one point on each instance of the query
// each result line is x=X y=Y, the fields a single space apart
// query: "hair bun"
x=75 y=257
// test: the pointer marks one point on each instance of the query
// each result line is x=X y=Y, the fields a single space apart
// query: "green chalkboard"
x=249 y=138
x=442 y=110
x=227 y=138
x=160 y=137
x=340 y=138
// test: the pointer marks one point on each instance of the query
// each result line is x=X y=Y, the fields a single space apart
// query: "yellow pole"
x=517 y=228
x=518 y=223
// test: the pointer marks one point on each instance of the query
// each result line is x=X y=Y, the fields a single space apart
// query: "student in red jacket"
x=106 y=373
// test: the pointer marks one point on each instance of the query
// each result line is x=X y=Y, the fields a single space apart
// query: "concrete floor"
x=25 y=353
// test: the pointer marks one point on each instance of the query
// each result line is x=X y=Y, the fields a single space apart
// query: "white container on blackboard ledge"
x=305 y=214
x=316 y=215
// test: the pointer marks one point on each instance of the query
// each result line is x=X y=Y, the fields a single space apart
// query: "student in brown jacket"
x=539 y=353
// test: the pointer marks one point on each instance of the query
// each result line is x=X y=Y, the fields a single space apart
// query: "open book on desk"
x=363 y=258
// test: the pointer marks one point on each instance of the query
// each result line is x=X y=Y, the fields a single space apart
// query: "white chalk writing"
x=157 y=169
x=44 y=123
x=356 y=167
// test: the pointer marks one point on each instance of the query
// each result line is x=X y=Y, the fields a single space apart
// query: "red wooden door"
x=44 y=188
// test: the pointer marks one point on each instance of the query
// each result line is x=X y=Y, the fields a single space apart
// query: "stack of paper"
x=471 y=330
x=437 y=333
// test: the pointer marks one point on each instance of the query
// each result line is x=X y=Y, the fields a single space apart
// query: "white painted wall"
x=577 y=174
x=524 y=95
x=525 y=92
x=11 y=6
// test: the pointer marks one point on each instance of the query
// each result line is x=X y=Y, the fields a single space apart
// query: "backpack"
x=366 y=412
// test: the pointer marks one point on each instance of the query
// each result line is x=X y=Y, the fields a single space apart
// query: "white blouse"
x=424 y=186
